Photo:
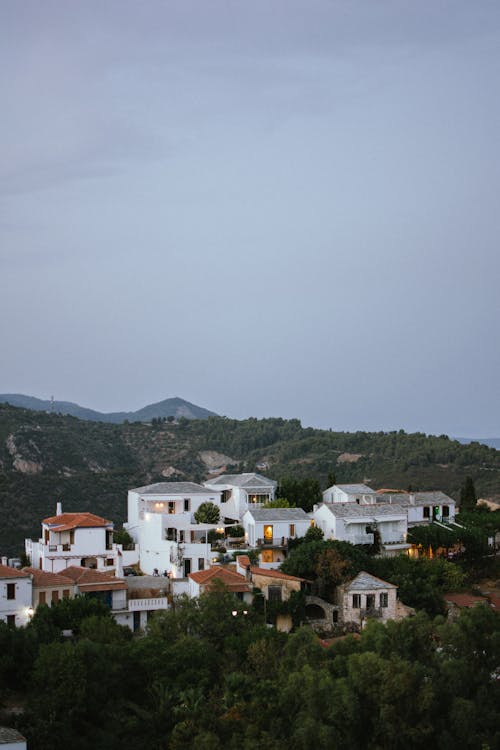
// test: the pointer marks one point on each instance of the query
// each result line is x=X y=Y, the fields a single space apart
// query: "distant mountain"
x=170 y=407
x=491 y=442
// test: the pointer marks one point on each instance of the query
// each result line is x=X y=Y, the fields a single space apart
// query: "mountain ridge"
x=170 y=407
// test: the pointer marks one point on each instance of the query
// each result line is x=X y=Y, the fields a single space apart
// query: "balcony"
x=280 y=541
x=362 y=539
x=148 y=604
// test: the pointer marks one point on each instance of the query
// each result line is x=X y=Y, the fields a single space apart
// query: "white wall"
x=22 y=602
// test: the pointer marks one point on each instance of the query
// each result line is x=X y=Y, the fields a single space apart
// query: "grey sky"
x=268 y=208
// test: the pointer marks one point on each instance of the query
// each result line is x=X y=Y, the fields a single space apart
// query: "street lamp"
x=235 y=612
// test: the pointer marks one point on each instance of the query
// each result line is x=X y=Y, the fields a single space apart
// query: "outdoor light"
x=234 y=612
x=30 y=612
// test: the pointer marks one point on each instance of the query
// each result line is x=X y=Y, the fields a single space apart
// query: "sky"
x=269 y=208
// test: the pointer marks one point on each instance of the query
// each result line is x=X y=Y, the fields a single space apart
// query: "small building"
x=366 y=597
x=364 y=524
x=241 y=492
x=422 y=507
x=49 y=588
x=349 y=493
x=15 y=596
x=207 y=580
x=81 y=539
x=11 y=739
x=270 y=529
x=99 y=585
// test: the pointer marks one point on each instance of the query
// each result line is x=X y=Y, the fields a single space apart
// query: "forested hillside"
x=90 y=465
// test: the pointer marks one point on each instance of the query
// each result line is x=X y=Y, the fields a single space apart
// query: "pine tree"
x=468 y=495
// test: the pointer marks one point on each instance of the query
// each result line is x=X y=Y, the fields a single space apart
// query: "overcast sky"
x=269 y=208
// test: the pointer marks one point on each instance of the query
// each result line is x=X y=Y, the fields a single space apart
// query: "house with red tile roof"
x=81 y=539
x=208 y=580
x=15 y=596
x=49 y=588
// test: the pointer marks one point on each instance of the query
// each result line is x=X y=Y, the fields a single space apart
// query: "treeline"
x=203 y=678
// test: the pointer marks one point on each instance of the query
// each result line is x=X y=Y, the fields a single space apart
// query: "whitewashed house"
x=241 y=492
x=360 y=524
x=270 y=529
x=360 y=494
x=422 y=507
x=15 y=596
x=161 y=521
x=81 y=539
x=11 y=739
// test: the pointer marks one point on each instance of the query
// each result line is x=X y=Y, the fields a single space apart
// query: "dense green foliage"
x=205 y=679
x=421 y=582
x=207 y=513
x=90 y=466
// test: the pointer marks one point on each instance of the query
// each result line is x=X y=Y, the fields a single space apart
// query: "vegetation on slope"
x=91 y=465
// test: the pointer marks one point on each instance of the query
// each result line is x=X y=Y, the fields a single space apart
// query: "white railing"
x=141 y=605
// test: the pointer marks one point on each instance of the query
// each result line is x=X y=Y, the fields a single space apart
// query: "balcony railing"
x=278 y=541
x=141 y=605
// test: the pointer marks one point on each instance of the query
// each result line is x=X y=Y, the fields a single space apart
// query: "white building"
x=11 y=739
x=422 y=507
x=15 y=596
x=161 y=521
x=270 y=529
x=240 y=492
x=358 y=524
x=349 y=493
x=81 y=539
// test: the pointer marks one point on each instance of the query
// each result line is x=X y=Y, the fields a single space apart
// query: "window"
x=171 y=506
x=201 y=563
x=427 y=512
x=187 y=504
x=291 y=532
x=72 y=536
x=356 y=601
x=65 y=593
x=55 y=597
x=11 y=621
x=446 y=511
x=274 y=593
x=109 y=561
x=42 y=597
x=267 y=556
x=384 y=599
x=11 y=591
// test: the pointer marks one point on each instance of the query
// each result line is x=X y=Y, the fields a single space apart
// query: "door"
x=268 y=534
x=187 y=568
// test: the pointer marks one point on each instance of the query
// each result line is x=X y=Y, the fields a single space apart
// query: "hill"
x=91 y=465
x=170 y=407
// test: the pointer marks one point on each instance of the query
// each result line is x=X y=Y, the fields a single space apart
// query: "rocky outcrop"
x=19 y=462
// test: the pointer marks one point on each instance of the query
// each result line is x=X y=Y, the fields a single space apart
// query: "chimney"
x=4 y=560
x=412 y=498
x=59 y=509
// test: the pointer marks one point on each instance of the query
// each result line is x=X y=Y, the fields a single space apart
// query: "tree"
x=332 y=479
x=313 y=534
x=331 y=570
x=468 y=495
x=207 y=513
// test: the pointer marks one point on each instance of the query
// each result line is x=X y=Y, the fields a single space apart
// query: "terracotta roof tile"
x=66 y=521
x=234 y=581
x=89 y=579
x=7 y=572
x=45 y=578
x=465 y=600
x=274 y=574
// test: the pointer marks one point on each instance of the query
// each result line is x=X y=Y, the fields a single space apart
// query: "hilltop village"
x=184 y=539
